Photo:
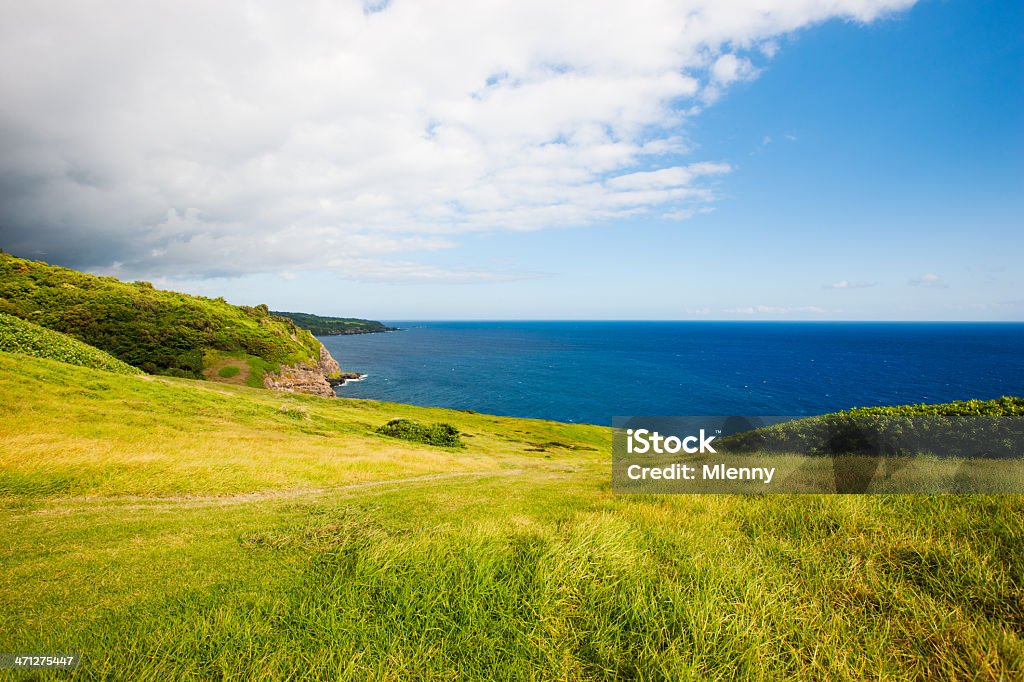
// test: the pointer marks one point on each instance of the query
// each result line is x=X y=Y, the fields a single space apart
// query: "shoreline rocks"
x=344 y=377
x=304 y=377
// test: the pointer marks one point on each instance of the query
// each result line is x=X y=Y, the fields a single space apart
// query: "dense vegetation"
x=284 y=539
x=162 y=332
x=332 y=326
x=965 y=427
x=20 y=336
x=442 y=435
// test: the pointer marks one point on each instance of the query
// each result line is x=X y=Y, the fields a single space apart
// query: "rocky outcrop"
x=300 y=378
x=344 y=378
x=306 y=377
x=328 y=365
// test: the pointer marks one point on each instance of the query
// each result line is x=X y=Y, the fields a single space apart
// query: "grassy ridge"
x=19 y=336
x=163 y=332
x=332 y=326
x=284 y=538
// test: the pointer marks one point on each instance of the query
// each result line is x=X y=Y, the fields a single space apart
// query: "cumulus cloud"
x=929 y=280
x=200 y=139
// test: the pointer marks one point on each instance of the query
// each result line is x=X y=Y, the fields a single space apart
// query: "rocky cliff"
x=306 y=377
x=328 y=365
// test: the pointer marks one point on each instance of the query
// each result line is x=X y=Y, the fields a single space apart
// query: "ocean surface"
x=592 y=371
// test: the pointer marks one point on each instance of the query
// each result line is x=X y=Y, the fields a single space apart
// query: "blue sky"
x=864 y=166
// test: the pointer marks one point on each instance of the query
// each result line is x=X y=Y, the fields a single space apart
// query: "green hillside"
x=333 y=326
x=162 y=332
x=175 y=529
x=868 y=428
x=20 y=336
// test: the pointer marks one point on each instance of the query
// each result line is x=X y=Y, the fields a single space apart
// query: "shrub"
x=439 y=434
x=294 y=411
x=229 y=371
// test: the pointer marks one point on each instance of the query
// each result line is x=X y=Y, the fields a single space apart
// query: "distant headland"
x=334 y=326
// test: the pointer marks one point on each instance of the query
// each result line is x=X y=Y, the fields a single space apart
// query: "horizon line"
x=676 y=320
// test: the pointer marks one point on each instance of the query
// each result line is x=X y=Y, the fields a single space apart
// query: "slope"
x=20 y=336
x=163 y=332
x=170 y=529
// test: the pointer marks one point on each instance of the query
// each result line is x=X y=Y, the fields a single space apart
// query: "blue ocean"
x=591 y=371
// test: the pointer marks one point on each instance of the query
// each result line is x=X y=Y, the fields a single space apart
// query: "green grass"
x=258 y=367
x=172 y=529
x=228 y=371
x=20 y=336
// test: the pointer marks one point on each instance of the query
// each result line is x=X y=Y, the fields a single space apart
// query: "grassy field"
x=176 y=529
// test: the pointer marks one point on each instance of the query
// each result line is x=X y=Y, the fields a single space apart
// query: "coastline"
x=577 y=372
x=345 y=378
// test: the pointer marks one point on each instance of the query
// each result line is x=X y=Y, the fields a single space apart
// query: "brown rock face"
x=305 y=377
x=328 y=365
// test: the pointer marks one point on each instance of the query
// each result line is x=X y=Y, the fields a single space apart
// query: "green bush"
x=19 y=336
x=229 y=371
x=440 y=434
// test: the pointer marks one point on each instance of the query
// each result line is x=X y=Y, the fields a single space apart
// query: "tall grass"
x=524 y=566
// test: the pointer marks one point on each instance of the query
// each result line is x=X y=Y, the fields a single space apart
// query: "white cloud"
x=368 y=270
x=686 y=213
x=774 y=310
x=847 y=284
x=929 y=280
x=729 y=68
x=190 y=138
x=676 y=176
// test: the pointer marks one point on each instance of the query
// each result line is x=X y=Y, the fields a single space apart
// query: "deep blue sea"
x=592 y=371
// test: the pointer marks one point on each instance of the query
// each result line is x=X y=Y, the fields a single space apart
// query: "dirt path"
x=195 y=501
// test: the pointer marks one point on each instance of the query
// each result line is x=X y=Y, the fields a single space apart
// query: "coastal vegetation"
x=20 y=336
x=286 y=537
x=161 y=332
x=963 y=427
x=333 y=326
x=442 y=435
